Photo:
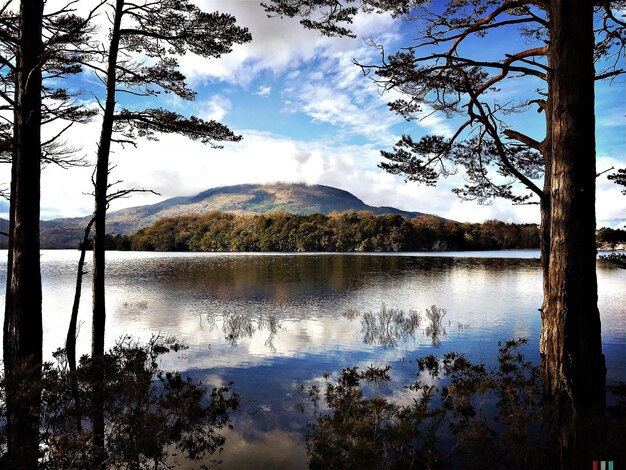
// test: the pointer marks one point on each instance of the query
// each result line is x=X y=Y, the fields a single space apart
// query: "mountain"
x=240 y=199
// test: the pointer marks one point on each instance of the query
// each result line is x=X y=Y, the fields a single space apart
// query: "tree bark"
x=101 y=202
x=23 y=317
x=544 y=229
x=573 y=365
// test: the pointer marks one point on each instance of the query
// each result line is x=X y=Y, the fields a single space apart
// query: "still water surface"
x=272 y=322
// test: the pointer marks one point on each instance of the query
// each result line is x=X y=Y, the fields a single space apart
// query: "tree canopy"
x=339 y=232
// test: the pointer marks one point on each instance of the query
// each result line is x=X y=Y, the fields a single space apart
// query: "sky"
x=307 y=114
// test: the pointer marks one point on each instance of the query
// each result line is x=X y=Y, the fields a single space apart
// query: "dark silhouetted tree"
x=619 y=177
x=562 y=43
x=22 y=317
x=139 y=59
x=34 y=47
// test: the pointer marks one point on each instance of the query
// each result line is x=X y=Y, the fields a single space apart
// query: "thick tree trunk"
x=23 y=318
x=101 y=202
x=573 y=364
x=544 y=230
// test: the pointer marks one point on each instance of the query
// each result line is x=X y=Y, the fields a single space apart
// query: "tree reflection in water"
x=388 y=326
x=385 y=327
x=243 y=325
x=475 y=417
x=154 y=418
x=435 y=328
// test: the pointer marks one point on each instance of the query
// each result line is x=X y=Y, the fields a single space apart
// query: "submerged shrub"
x=477 y=417
x=387 y=326
x=151 y=416
x=373 y=432
x=435 y=328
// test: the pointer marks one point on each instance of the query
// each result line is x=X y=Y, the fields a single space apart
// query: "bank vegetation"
x=338 y=232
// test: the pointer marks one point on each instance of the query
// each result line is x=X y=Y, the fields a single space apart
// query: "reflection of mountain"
x=240 y=199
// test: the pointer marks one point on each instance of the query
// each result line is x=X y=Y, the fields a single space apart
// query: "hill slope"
x=240 y=199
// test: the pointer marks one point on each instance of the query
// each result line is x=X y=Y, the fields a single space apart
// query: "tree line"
x=338 y=232
x=610 y=236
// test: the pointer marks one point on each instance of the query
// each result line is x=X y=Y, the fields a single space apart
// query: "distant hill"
x=240 y=199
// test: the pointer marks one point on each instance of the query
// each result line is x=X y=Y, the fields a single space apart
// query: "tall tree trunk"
x=573 y=364
x=544 y=230
x=101 y=202
x=23 y=319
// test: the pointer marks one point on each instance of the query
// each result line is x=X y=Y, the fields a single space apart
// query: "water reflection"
x=476 y=416
x=389 y=326
x=386 y=327
x=239 y=325
x=435 y=328
x=273 y=322
x=151 y=417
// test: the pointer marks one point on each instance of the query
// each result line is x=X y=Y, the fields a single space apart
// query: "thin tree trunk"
x=70 y=341
x=101 y=202
x=23 y=318
x=573 y=364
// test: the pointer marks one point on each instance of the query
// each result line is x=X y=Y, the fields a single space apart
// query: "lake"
x=273 y=322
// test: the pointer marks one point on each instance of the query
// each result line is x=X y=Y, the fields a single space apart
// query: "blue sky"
x=307 y=114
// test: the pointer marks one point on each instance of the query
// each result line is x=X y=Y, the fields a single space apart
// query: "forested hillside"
x=346 y=231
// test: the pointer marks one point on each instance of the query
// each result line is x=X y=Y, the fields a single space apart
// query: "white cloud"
x=336 y=92
x=326 y=104
x=277 y=45
x=610 y=202
x=466 y=211
x=215 y=108
x=264 y=91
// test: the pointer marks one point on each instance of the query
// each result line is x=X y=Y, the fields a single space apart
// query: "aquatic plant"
x=474 y=417
x=153 y=418
x=435 y=328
